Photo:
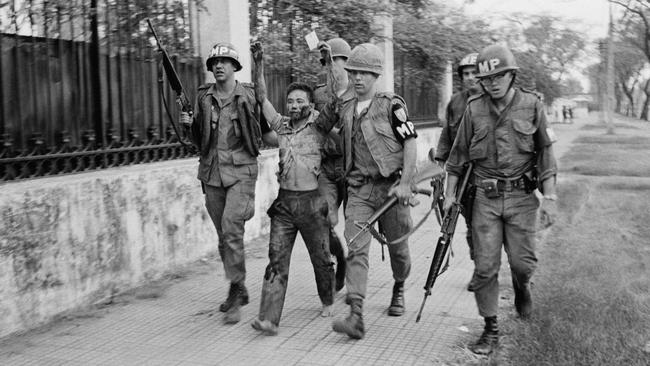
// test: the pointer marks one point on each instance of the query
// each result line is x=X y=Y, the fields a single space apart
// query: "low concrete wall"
x=66 y=242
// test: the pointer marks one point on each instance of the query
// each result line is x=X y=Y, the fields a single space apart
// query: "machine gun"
x=448 y=227
x=431 y=172
x=175 y=83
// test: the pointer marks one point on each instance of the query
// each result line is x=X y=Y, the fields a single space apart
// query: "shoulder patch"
x=247 y=85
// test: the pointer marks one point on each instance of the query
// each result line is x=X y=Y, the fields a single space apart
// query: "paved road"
x=177 y=323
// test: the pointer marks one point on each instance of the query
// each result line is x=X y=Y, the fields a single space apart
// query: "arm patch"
x=402 y=127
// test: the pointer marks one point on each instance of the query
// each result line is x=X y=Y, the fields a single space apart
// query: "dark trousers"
x=293 y=212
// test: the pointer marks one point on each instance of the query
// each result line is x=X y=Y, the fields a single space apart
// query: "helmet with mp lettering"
x=223 y=50
x=366 y=57
x=467 y=61
x=495 y=59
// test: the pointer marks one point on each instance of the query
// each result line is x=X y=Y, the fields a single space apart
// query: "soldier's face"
x=497 y=85
x=223 y=69
x=298 y=104
x=364 y=82
x=468 y=75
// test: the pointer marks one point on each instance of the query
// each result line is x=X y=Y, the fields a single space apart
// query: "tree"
x=628 y=63
x=635 y=31
x=544 y=49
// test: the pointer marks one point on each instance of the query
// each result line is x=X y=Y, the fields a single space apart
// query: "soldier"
x=299 y=207
x=505 y=134
x=227 y=135
x=331 y=182
x=455 y=109
x=379 y=150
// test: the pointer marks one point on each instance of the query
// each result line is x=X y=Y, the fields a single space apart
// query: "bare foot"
x=326 y=311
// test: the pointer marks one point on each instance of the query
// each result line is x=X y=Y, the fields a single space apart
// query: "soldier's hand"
x=403 y=193
x=258 y=52
x=449 y=201
x=325 y=51
x=185 y=119
x=548 y=212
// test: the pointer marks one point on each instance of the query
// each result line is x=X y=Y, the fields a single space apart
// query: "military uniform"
x=331 y=181
x=509 y=149
x=373 y=152
x=454 y=114
x=227 y=133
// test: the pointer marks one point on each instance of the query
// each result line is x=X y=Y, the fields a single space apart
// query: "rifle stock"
x=430 y=171
x=448 y=228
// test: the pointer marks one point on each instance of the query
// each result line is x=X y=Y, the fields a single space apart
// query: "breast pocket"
x=524 y=130
x=478 y=146
x=386 y=134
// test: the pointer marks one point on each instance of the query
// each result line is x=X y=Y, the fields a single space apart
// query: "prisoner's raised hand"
x=258 y=52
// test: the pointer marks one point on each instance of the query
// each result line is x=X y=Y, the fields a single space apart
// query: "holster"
x=467 y=202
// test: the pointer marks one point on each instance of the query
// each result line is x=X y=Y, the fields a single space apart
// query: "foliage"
x=635 y=31
x=119 y=23
x=544 y=49
x=429 y=38
x=282 y=24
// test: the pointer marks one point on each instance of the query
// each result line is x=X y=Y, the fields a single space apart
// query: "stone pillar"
x=224 y=21
x=445 y=91
x=383 y=27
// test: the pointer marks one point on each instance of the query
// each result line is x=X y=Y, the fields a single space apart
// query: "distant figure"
x=565 y=114
x=570 y=110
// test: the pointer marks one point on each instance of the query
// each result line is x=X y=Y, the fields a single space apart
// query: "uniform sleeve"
x=328 y=116
x=402 y=127
x=444 y=142
x=459 y=154
x=544 y=139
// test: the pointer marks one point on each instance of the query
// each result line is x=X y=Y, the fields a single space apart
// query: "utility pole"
x=609 y=77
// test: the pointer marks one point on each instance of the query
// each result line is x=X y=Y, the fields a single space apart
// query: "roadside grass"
x=602 y=126
x=609 y=155
x=592 y=286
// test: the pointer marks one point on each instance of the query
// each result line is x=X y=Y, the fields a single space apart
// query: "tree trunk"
x=644 y=110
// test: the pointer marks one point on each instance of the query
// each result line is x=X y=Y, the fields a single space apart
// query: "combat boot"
x=396 y=307
x=489 y=339
x=237 y=290
x=523 y=301
x=353 y=324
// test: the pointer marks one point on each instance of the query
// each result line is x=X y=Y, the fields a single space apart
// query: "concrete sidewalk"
x=177 y=323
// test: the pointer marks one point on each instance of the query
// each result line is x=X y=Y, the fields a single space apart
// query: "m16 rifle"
x=448 y=227
x=175 y=83
x=430 y=172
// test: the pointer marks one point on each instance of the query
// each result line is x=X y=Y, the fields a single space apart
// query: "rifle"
x=175 y=83
x=432 y=172
x=447 y=228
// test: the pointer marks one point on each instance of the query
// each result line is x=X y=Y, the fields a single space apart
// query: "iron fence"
x=80 y=85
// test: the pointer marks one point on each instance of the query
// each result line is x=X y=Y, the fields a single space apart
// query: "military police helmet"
x=468 y=60
x=495 y=59
x=223 y=50
x=366 y=57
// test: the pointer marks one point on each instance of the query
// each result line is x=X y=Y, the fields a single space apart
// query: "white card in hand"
x=312 y=40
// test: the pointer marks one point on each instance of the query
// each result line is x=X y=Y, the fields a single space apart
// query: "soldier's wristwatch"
x=550 y=197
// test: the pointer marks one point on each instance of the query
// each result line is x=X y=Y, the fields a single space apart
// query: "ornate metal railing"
x=40 y=161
